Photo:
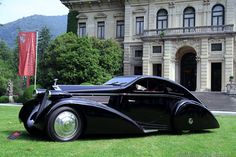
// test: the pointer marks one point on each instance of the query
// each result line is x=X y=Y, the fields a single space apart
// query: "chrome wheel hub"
x=66 y=125
x=190 y=121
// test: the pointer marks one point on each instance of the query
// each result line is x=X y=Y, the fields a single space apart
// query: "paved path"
x=13 y=104
x=217 y=101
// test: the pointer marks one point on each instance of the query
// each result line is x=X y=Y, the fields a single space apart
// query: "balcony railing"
x=188 y=31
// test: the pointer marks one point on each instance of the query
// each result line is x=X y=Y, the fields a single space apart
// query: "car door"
x=147 y=102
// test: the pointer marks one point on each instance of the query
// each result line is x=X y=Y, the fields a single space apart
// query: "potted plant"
x=162 y=34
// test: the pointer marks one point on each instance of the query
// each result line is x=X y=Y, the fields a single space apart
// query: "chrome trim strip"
x=125 y=94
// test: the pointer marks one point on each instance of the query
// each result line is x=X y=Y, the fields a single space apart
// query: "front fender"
x=27 y=109
x=28 y=112
x=100 y=118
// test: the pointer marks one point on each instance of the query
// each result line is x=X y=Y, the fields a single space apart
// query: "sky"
x=11 y=10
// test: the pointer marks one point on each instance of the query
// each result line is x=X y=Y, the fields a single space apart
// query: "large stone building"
x=189 y=41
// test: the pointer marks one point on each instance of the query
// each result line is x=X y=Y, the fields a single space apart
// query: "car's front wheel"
x=64 y=124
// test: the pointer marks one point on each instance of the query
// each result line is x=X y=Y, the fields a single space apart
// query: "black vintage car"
x=123 y=105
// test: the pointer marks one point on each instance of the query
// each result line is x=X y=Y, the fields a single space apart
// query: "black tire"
x=64 y=124
x=184 y=122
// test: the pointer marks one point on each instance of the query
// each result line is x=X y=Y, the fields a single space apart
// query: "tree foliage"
x=43 y=40
x=75 y=60
x=72 y=24
x=5 y=53
x=6 y=64
x=6 y=74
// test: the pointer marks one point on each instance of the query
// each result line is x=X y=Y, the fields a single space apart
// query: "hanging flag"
x=27 y=53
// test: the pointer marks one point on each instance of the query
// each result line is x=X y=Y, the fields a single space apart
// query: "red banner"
x=27 y=53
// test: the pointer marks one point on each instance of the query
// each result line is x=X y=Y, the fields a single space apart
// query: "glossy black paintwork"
x=161 y=105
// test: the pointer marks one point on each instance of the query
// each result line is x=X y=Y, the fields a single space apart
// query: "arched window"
x=162 y=19
x=189 y=17
x=218 y=15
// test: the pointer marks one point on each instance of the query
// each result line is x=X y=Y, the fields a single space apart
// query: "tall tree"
x=72 y=22
x=43 y=40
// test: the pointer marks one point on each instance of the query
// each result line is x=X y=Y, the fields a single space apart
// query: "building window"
x=138 y=70
x=216 y=47
x=82 y=29
x=189 y=18
x=101 y=30
x=218 y=15
x=120 y=29
x=139 y=25
x=156 y=49
x=157 y=69
x=138 y=53
x=162 y=19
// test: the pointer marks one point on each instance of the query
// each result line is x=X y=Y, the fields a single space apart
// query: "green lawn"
x=217 y=143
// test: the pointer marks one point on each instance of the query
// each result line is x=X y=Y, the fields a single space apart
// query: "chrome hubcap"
x=66 y=125
x=190 y=121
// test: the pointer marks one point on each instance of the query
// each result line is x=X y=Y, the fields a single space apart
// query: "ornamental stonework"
x=194 y=43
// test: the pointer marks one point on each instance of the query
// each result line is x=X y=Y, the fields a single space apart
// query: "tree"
x=43 y=41
x=6 y=74
x=5 y=53
x=75 y=60
x=72 y=24
x=7 y=66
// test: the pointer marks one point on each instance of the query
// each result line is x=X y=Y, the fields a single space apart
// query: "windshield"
x=121 y=81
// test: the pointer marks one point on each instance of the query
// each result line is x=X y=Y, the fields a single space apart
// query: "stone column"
x=146 y=58
x=229 y=61
x=198 y=60
x=230 y=12
x=127 y=60
x=128 y=23
x=204 y=77
x=127 y=38
x=167 y=59
x=152 y=17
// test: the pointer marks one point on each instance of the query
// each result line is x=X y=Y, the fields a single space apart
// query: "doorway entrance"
x=216 y=71
x=189 y=71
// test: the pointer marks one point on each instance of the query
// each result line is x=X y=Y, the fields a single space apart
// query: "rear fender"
x=191 y=115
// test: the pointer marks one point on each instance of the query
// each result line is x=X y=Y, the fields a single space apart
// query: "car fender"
x=192 y=115
x=86 y=107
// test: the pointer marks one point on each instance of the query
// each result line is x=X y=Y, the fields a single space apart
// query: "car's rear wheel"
x=186 y=120
x=64 y=124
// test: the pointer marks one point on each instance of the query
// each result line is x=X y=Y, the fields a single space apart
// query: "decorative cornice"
x=82 y=17
x=139 y=10
x=100 y=15
x=216 y=40
x=119 y=15
x=171 y=4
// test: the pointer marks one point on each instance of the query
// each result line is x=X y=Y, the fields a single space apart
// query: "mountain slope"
x=56 y=24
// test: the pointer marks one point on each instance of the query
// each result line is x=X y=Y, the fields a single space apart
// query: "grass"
x=215 y=143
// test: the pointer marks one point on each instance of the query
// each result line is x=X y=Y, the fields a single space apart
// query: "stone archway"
x=187 y=67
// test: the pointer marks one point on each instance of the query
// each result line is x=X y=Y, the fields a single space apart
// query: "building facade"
x=189 y=41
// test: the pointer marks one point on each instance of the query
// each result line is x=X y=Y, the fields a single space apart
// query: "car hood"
x=88 y=88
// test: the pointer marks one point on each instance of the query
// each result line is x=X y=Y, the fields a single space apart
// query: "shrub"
x=28 y=93
x=4 y=99
x=86 y=83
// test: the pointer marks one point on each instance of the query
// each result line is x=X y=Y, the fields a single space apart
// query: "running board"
x=150 y=130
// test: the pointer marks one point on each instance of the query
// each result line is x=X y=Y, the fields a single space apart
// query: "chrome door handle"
x=131 y=100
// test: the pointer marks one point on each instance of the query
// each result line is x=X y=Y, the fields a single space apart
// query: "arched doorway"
x=188 y=71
